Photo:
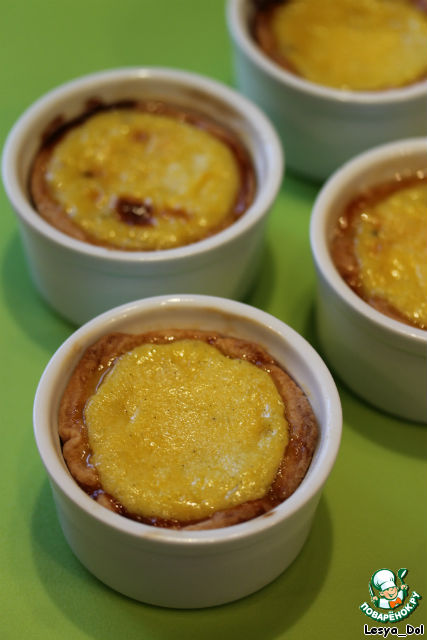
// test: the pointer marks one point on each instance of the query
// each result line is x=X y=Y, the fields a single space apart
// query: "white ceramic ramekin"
x=81 y=280
x=382 y=360
x=182 y=568
x=320 y=127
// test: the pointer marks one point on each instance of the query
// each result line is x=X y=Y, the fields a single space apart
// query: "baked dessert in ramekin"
x=190 y=567
x=369 y=325
x=141 y=176
x=81 y=279
x=185 y=428
x=322 y=117
x=360 y=45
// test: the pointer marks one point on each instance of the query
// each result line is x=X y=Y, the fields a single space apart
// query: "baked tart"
x=185 y=429
x=360 y=45
x=141 y=176
x=379 y=246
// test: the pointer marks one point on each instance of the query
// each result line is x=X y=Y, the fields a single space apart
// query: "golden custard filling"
x=380 y=248
x=347 y=44
x=181 y=431
x=142 y=177
x=391 y=248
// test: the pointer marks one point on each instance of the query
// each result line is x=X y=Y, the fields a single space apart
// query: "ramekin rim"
x=311 y=485
x=340 y=96
x=319 y=244
x=264 y=198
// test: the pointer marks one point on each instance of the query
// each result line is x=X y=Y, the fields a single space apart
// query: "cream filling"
x=187 y=178
x=353 y=44
x=180 y=431
x=391 y=249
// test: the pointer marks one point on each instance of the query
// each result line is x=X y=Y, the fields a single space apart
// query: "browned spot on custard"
x=135 y=212
x=140 y=136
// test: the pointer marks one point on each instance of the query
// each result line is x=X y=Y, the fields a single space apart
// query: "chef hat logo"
x=383 y=579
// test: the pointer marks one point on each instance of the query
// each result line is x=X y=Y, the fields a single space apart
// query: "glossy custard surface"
x=180 y=430
x=348 y=44
x=391 y=248
x=141 y=180
x=386 y=231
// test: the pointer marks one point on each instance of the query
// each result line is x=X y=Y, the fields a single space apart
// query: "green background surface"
x=373 y=510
